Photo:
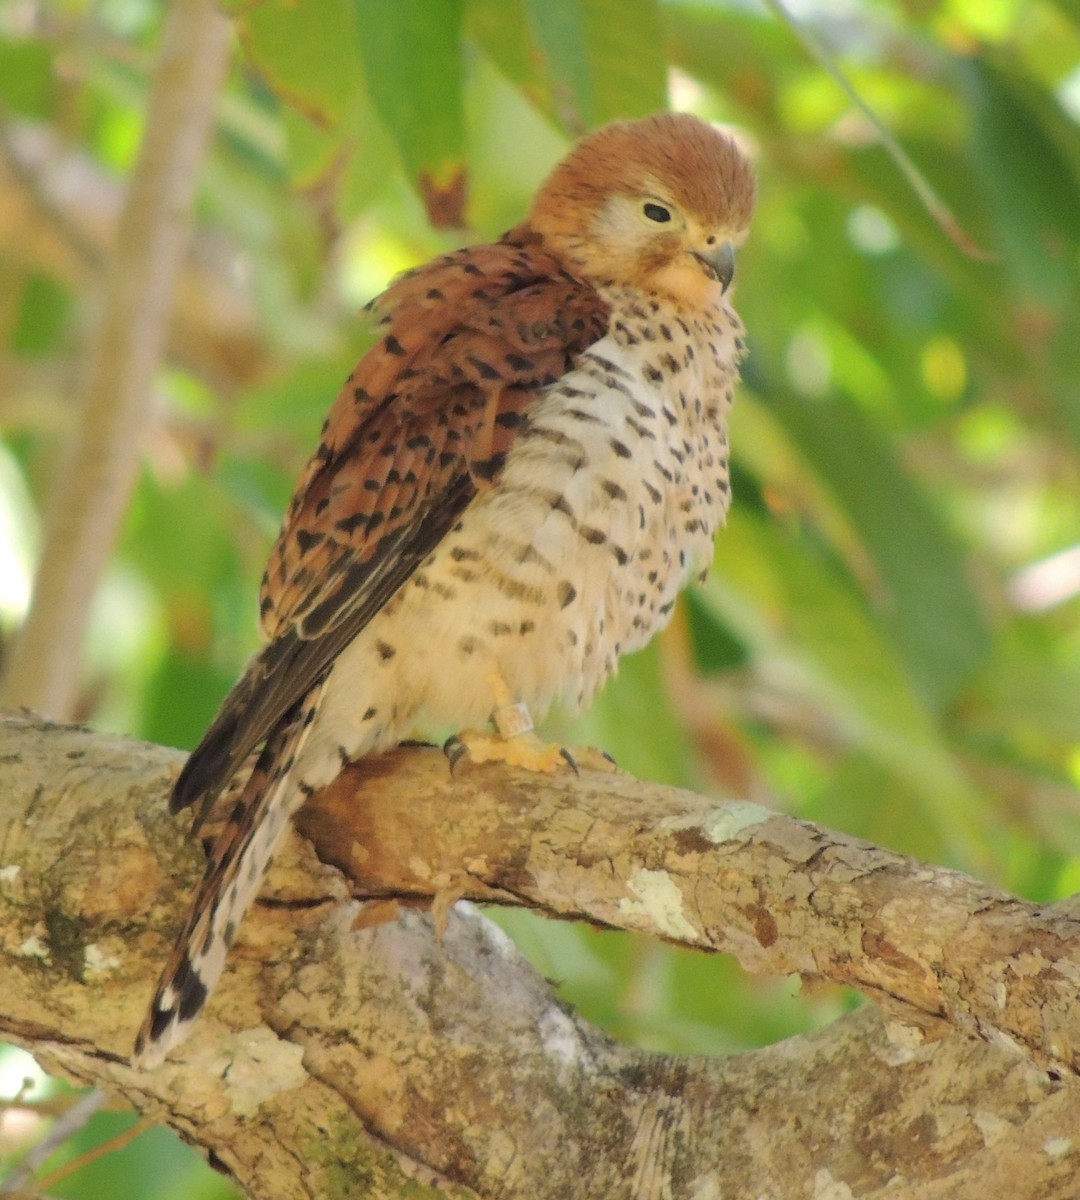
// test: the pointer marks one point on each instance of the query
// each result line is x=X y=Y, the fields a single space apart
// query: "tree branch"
x=338 y=1057
x=89 y=502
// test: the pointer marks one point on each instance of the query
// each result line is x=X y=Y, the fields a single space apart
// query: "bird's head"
x=660 y=204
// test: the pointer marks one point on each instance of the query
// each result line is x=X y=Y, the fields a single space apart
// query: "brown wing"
x=467 y=343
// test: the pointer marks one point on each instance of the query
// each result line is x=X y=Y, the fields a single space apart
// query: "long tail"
x=238 y=862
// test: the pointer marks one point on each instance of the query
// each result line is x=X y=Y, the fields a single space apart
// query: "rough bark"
x=338 y=1058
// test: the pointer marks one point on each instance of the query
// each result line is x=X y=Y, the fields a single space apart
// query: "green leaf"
x=812 y=639
x=412 y=57
x=26 y=77
x=500 y=28
x=308 y=53
x=925 y=600
x=604 y=58
x=1026 y=149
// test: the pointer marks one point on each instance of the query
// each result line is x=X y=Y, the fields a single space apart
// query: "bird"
x=509 y=493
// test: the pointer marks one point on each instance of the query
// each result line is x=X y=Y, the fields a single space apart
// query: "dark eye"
x=657 y=212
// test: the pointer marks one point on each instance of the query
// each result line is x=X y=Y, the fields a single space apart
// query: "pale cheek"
x=688 y=283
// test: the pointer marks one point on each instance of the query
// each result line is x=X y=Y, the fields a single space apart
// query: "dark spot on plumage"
x=499 y=628
x=518 y=362
x=372 y=485
x=393 y=346
x=621 y=557
x=395 y=512
x=643 y=431
x=446 y=458
x=580 y=414
x=559 y=503
x=487 y=468
x=567 y=593
x=612 y=489
x=620 y=448
x=435 y=294
x=374 y=521
x=591 y=534
x=555 y=436
x=672 y=363
x=349 y=525
x=468 y=645
x=486 y=370
x=652 y=374
x=514 y=589
x=669 y=416
x=370 y=714
x=471 y=269
x=417 y=441
x=526 y=627
x=374 y=435
x=265 y=605
x=307 y=540
x=510 y=418
x=664 y=471
x=191 y=989
x=343 y=755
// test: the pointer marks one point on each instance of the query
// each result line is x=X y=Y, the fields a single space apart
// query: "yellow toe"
x=524 y=750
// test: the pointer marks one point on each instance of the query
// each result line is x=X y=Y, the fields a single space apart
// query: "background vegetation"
x=889 y=642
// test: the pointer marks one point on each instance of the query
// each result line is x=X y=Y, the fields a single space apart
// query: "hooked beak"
x=718 y=262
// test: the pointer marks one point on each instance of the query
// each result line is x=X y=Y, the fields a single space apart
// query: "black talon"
x=455 y=750
x=570 y=759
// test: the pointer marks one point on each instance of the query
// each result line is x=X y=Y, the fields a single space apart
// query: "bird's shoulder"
x=465 y=345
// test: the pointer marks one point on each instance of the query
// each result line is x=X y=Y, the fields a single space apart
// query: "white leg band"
x=511 y=720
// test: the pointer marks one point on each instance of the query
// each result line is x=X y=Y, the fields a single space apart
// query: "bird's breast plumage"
x=609 y=501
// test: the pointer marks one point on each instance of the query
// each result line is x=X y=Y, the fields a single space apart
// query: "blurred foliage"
x=889 y=642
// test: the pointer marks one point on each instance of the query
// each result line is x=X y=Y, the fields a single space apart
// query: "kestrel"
x=509 y=493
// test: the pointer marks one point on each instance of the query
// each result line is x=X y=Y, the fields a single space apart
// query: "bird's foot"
x=524 y=750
